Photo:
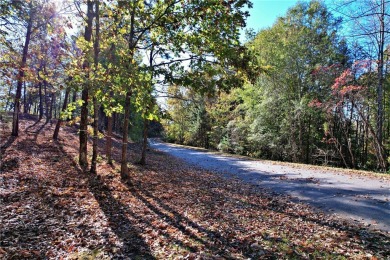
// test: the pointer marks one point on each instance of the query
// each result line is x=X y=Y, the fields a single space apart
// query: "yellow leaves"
x=83 y=44
x=267 y=67
x=122 y=30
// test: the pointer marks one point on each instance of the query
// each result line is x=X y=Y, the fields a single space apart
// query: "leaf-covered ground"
x=165 y=210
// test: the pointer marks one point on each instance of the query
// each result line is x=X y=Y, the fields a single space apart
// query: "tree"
x=96 y=47
x=83 y=160
x=60 y=120
x=15 y=120
x=370 y=22
x=177 y=123
x=204 y=32
x=349 y=126
x=289 y=52
x=32 y=16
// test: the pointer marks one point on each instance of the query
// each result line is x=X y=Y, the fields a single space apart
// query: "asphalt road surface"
x=354 y=197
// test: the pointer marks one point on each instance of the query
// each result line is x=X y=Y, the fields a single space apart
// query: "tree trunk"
x=111 y=115
x=124 y=169
x=307 y=155
x=52 y=104
x=40 y=101
x=95 y=102
x=20 y=78
x=379 y=149
x=74 y=98
x=380 y=71
x=57 y=106
x=59 y=121
x=46 y=101
x=114 y=122
x=102 y=120
x=125 y=136
x=24 y=98
x=379 y=129
x=145 y=142
x=49 y=113
x=83 y=160
x=95 y=135
x=109 y=139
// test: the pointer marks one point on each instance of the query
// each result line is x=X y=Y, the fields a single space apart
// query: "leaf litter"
x=50 y=209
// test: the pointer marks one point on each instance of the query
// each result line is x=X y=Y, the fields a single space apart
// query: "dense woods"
x=312 y=88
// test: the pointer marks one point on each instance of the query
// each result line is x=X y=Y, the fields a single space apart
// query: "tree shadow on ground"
x=214 y=242
x=7 y=144
x=35 y=131
x=48 y=207
x=366 y=237
x=6 y=140
x=203 y=239
x=9 y=165
x=133 y=245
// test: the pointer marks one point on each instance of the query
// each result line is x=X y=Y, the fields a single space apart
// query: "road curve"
x=353 y=197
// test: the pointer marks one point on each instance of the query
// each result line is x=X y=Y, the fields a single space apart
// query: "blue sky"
x=265 y=12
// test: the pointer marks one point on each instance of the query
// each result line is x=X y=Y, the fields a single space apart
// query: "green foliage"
x=278 y=120
x=272 y=116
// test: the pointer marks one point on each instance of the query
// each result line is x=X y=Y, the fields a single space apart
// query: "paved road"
x=359 y=198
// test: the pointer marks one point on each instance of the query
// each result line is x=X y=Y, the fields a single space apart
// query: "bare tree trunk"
x=95 y=135
x=20 y=78
x=111 y=115
x=307 y=156
x=95 y=102
x=109 y=139
x=52 y=104
x=74 y=98
x=83 y=160
x=24 y=98
x=145 y=142
x=102 y=124
x=49 y=112
x=40 y=101
x=381 y=44
x=379 y=129
x=55 y=106
x=114 y=122
x=124 y=168
x=59 y=121
x=46 y=101
x=379 y=149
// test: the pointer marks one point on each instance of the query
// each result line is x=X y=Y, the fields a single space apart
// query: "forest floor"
x=167 y=209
